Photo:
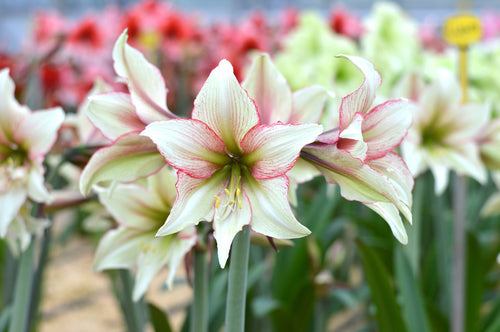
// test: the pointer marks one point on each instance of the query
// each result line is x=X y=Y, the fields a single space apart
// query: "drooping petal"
x=272 y=215
x=385 y=126
x=195 y=201
x=129 y=158
x=188 y=145
x=133 y=206
x=362 y=98
x=145 y=82
x=36 y=187
x=113 y=114
x=119 y=248
x=271 y=151
x=10 y=203
x=357 y=180
x=269 y=89
x=391 y=215
x=37 y=132
x=351 y=138
x=228 y=224
x=225 y=107
x=308 y=104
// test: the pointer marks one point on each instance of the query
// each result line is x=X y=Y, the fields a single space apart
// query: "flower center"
x=13 y=168
x=226 y=201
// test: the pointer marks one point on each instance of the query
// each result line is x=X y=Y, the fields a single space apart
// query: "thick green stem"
x=199 y=314
x=133 y=312
x=236 y=289
x=23 y=292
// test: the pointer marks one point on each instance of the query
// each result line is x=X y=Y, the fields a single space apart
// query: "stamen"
x=239 y=204
x=227 y=192
x=231 y=202
x=217 y=201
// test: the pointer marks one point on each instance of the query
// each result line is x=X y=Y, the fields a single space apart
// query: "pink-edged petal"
x=113 y=114
x=269 y=89
x=271 y=151
x=308 y=104
x=229 y=219
x=351 y=138
x=162 y=185
x=394 y=167
x=225 y=107
x=390 y=213
x=38 y=131
x=195 y=201
x=145 y=82
x=11 y=111
x=271 y=212
x=10 y=203
x=188 y=145
x=130 y=157
x=385 y=126
x=133 y=206
x=362 y=98
x=357 y=180
x=119 y=248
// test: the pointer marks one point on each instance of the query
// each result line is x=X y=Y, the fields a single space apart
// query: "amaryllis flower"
x=444 y=135
x=122 y=116
x=25 y=138
x=140 y=210
x=489 y=144
x=231 y=167
x=358 y=155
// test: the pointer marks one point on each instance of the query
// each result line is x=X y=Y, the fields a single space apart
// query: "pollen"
x=217 y=201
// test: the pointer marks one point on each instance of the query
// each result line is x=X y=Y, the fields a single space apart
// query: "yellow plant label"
x=462 y=30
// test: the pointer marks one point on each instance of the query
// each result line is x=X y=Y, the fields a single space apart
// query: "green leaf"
x=474 y=283
x=388 y=314
x=159 y=319
x=412 y=300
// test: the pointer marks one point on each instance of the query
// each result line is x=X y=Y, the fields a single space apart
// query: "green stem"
x=236 y=288
x=320 y=315
x=133 y=311
x=22 y=292
x=199 y=315
x=414 y=232
x=458 y=268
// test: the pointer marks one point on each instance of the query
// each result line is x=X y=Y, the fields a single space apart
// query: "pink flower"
x=231 y=167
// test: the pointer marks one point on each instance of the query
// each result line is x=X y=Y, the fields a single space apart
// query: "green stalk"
x=199 y=314
x=22 y=292
x=133 y=311
x=458 y=268
x=237 y=282
x=414 y=232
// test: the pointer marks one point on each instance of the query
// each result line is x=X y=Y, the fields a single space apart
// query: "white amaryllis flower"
x=444 y=134
x=231 y=166
x=25 y=138
x=140 y=211
x=358 y=154
x=122 y=116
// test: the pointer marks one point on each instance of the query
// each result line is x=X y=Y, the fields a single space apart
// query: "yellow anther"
x=238 y=192
x=217 y=201
x=231 y=202
x=239 y=204
x=227 y=192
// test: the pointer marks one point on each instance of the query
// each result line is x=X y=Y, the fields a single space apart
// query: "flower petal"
x=225 y=107
x=385 y=126
x=391 y=215
x=114 y=114
x=362 y=98
x=188 y=145
x=119 y=248
x=145 y=82
x=271 y=151
x=227 y=225
x=12 y=112
x=195 y=201
x=36 y=187
x=269 y=89
x=10 y=203
x=271 y=212
x=38 y=131
x=308 y=104
x=129 y=158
